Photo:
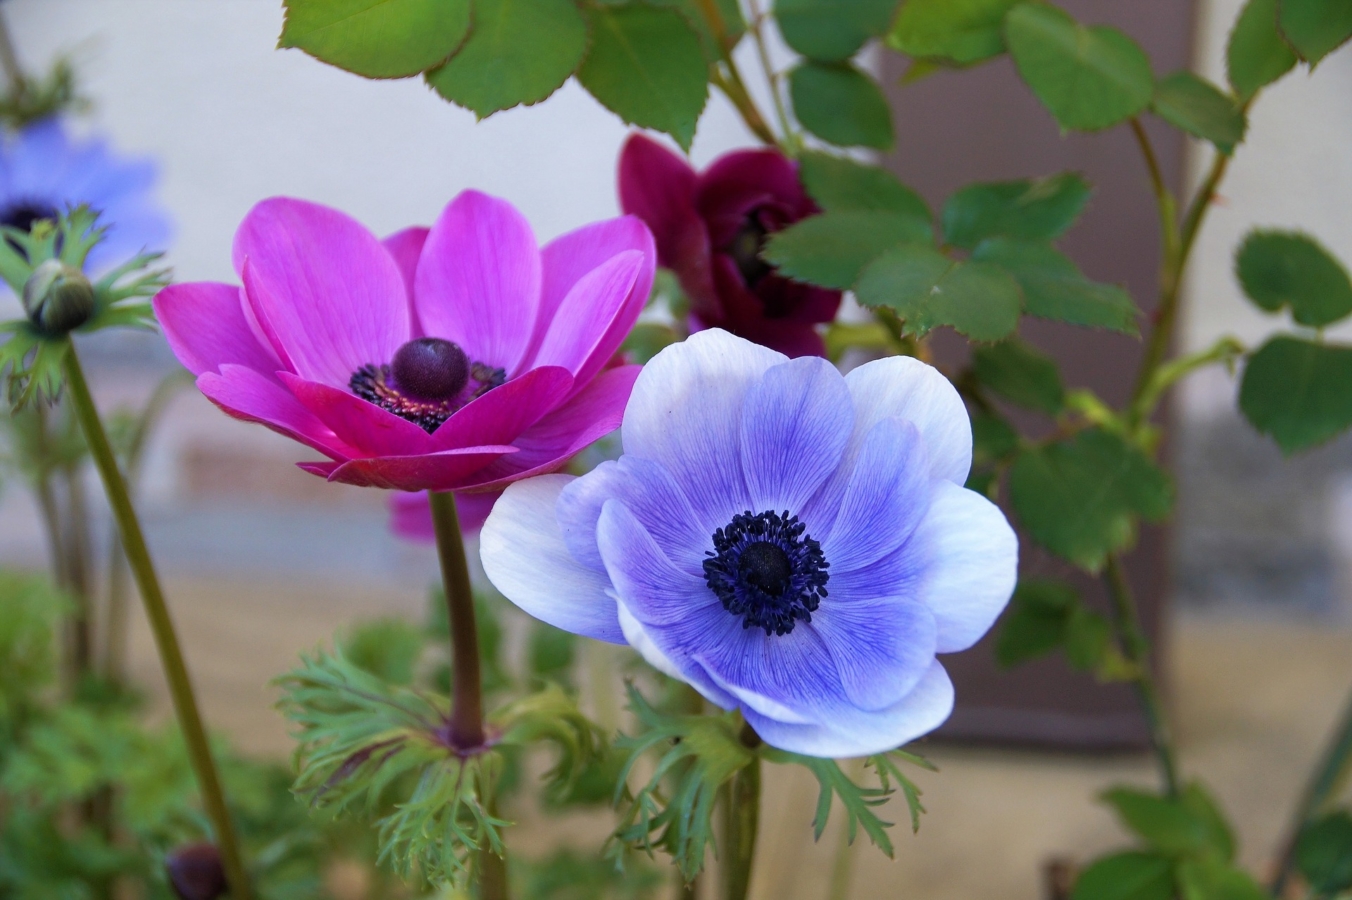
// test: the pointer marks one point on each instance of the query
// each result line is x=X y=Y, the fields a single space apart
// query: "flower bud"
x=58 y=297
x=196 y=873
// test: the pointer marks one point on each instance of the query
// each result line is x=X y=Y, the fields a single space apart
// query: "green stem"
x=842 y=870
x=77 y=562
x=1136 y=647
x=467 y=716
x=731 y=84
x=1333 y=770
x=792 y=141
x=741 y=820
x=157 y=611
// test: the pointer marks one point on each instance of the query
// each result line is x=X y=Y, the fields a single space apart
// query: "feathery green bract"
x=382 y=750
x=32 y=358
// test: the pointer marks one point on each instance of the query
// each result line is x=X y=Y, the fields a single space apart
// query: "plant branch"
x=731 y=83
x=741 y=820
x=792 y=142
x=157 y=611
x=1225 y=350
x=1136 y=647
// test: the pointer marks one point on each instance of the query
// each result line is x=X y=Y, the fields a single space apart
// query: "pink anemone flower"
x=460 y=357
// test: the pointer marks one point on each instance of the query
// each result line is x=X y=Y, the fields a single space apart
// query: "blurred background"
x=1253 y=585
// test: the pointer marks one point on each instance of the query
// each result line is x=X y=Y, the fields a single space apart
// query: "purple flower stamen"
x=765 y=569
x=427 y=381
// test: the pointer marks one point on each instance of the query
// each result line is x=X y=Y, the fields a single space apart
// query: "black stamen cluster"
x=766 y=570
x=376 y=384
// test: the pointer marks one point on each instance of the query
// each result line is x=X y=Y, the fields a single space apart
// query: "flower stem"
x=741 y=820
x=1136 y=647
x=792 y=141
x=467 y=716
x=157 y=611
x=731 y=84
x=1333 y=770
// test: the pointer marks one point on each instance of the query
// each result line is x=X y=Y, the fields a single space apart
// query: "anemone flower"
x=710 y=227
x=792 y=543
x=44 y=170
x=460 y=357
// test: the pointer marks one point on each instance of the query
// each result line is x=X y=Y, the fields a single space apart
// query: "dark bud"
x=58 y=297
x=765 y=566
x=745 y=251
x=430 y=369
x=195 y=872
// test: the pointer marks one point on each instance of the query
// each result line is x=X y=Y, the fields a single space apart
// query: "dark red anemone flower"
x=710 y=226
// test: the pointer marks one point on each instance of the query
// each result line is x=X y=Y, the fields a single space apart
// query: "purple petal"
x=501 y=415
x=595 y=317
x=328 y=291
x=881 y=648
x=478 y=280
x=647 y=583
x=448 y=470
x=404 y=248
x=205 y=326
x=907 y=389
x=376 y=431
x=739 y=182
x=254 y=397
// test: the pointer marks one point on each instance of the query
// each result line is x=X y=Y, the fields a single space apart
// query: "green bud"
x=58 y=297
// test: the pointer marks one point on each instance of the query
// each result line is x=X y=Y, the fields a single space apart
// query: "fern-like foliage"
x=383 y=751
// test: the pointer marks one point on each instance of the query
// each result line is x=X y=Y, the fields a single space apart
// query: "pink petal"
x=478 y=280
x=405 y=247
x=205 y=326
x=596 y=316
x=566 y=259
x=739 y=182
x=659 y=187
x=561 y=435
x=324 y=287
x=444 y=471
x=411 y=514
x=372 y=429
x=254 y=397
x=502 y=414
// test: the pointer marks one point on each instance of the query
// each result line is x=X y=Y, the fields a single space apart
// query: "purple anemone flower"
x=710 y=227
x=793 y=543
x=459 y=357
x=44 y=170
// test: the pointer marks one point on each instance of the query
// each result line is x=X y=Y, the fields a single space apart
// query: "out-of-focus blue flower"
x=794 y=543
x=44 y=169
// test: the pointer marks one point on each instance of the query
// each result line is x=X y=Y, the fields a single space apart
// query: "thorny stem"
x=1333 y=770
x=157 y=611
x=1136 y=647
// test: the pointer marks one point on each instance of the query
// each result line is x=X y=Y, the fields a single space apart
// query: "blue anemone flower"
x=791 y=542
x=44 y=170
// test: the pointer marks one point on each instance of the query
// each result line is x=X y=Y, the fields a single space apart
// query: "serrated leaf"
x=1088 y=639
x=1287 y=268
x=1036 y=622
x=1167 y=825
x=831 y=30
x=519 y=52
x=1324 y=853
x=646 y=66
x=1297 y=391
x=1220 y=838
x=1210 y=879
x=1090 y=78
x=831 y=249
x=1054 y=288
x=730 y=11
x=1256 y=54
x=1315 y=28
x=1199 y=108
x=1126 y=876
x=1080 y=498
x=839 y=184
x=1020 y=374
x=377 y=38
x=841 y=105
x=1038 y=209
x=927 y=289
x=963 y=31
x=993 y=438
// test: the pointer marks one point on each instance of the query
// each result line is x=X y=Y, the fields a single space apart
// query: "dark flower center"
x=21 y=214
x=766 y=570
x=426 y=382
x=745 y=250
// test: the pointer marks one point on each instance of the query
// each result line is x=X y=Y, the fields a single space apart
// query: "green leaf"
x=1198 y=107
x=1166 y=825
x=1324 y=853
x=646 y=66
x=1315 y=28
x=1090 y=78
x=963 y=31
x=839 y=184
x=1080 y=498
x=831 y=249
x=1020 y=374
x=927 y=289
x=1256 y=55
x=993 y=438
x=1220 y=837
x=1088 y=639
x=841 y=105
x=1036 y=622
x=831 y=30
x=1032 y=209
x=1287 y=268
x=1126 y=876
x=647 y=340
x=551 y=652
x=692 y=10
x=520 y=51
x=1211 y=879
x=1299 y=392
x=388 y=648
x=377 y=38
x=1053 y=288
